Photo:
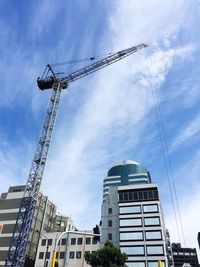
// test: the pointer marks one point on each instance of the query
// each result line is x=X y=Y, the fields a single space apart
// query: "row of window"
x=137 y=209
x=139 y=236
x=79 y=241
x=62 y=255
x=138 y=222
x=143 y=264
x=74 y=241
x=140 y=250
x=138 y=195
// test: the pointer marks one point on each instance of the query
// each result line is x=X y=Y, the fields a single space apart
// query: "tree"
x=108 y=256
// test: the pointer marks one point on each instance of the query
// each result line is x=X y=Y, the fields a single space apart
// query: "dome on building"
x=125 y=162
x=126 y=167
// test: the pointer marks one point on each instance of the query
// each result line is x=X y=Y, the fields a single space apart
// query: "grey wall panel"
x=8 y=228
x=3 y=255
x=10 y=203
x=4 y=241
x=8 y=216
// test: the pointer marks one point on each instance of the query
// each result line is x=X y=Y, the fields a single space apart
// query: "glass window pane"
x=153 y=235
x=136 y=250
x=63 y=241
x=125 y=196
x=41 y=255
x=47 y=255
x=73 y=241
x=71 y=254
x=136 y=264
x=155 y=264
x=132 y=209
x=131 y=222
x=150 y=208
x=120 y=197
x=131 y=236
x=154 y=250
x=49 y=242
x=62 y=255
x=78 y=254
x=88 y=240
x=79 y=241
x=152 y=221
x=43 y=242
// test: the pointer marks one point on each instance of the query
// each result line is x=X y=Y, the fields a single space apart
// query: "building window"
x=134 y=195
x=132 y=209
x=130 y=222
x=49 y=242
x=43 y=242
x=79 y=241
x=133 y=250
x=41 y=255
x=73 y=241
x=155 y=250
x=109 y=236
x=131 y=236
x=110 y=223
x=151 y=221
x=71 y=254
x=78 y=254
x=62 y=255
x=47 y=255
x=109 y=210
x=155 y=264
x=150 y=208
x=88 y=240
x=63 y=241
x=94 y=241
x=136 y=264
x=153 y=235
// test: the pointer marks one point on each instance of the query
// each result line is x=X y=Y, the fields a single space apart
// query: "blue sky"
x=110 y=115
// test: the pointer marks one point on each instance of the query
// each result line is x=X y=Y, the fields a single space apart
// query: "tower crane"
x=49 y=80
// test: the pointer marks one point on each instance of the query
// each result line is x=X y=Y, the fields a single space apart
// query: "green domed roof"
x=126 y=169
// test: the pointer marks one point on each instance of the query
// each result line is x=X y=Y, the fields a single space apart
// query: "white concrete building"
x=70 y=250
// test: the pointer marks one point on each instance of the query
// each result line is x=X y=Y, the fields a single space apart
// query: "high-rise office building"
x=132 y=216
x=184 y=256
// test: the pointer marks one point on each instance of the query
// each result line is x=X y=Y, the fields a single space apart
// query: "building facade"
x=184 y=256
x=45 y=219
x=132 y=216
x=198 y=238
x=70 y=249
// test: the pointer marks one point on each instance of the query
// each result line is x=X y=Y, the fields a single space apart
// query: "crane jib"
x=47 y=82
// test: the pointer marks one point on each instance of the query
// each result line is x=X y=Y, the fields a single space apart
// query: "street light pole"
x=61 y=235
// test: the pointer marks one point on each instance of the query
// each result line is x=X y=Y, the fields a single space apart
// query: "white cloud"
x=187 y=133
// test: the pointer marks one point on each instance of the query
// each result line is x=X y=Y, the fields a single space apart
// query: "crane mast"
x=19 y=241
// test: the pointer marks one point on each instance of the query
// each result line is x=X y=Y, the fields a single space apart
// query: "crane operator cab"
x=48 y=82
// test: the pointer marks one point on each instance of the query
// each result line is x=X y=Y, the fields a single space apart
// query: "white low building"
x=70 y=250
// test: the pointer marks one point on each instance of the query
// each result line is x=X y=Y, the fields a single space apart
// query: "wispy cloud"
x=186 y=133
